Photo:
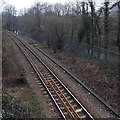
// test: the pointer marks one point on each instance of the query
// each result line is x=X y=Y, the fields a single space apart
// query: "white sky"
x=21 y=4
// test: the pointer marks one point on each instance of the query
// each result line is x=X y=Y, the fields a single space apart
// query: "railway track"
x=82 y=84
x=68 y=106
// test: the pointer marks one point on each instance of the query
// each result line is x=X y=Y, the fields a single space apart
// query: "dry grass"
x=17 y=95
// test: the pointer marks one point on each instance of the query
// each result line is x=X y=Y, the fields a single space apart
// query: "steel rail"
x=56 y=78
x=76 y=114
x=82 y=84
x=71 y=115
x=37 y=72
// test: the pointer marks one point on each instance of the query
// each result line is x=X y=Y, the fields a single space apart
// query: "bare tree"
x=106 y=29
x=92 y=6
x=9 y=18
x=56 y=32
x=77 y=21
x=118 y=37
x=118 y=44
x=58 y=9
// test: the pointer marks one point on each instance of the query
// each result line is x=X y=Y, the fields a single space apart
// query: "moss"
x=11 y=108
x=35 y=106
x=14 y=108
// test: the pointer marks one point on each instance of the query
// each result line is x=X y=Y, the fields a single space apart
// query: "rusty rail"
x=52 y=87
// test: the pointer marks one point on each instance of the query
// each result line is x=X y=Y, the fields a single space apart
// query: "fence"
x=100 y=53
x=85 y=49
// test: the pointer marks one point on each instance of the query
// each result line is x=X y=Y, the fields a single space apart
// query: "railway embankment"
x=19 y=100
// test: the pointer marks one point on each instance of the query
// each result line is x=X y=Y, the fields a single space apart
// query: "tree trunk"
x=88 y=42
x=92 y=25
x=118 y=36
x=72 y=33
x=99 y=34
x=106 y=15
x=118 y=44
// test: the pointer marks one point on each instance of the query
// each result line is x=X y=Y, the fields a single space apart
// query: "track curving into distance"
x=68 y=106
